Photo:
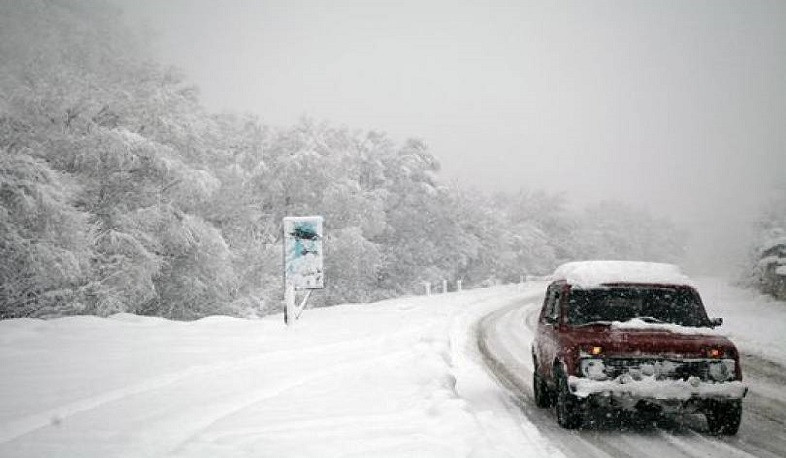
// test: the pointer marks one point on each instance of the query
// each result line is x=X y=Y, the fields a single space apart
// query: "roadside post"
x=303 y=262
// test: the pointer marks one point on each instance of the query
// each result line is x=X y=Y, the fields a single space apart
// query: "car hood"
x=661 y=341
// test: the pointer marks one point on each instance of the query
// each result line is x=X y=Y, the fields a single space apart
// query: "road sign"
x=303 y=260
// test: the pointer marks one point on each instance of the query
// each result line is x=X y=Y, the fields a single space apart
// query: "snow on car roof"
x=588 y=274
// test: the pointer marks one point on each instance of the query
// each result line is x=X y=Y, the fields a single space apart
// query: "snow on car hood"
x=641 y=325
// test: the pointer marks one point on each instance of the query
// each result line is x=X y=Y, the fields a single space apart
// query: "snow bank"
x=396 y=378
x=589 y=274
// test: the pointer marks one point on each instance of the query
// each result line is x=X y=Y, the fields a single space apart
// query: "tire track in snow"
x=760 y=435
x=227 y=409
x=706 y=447
x=501 y=434
x=353 y=365
x=520 y=392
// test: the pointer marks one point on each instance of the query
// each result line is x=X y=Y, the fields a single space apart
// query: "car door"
x=547 y=343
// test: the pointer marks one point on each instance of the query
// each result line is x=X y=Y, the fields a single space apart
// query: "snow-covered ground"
x=504 y=332
x=396 y=378
x=756 y=323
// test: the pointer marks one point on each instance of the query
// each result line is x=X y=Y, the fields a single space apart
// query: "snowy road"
x=404 y=377
x=505 y=336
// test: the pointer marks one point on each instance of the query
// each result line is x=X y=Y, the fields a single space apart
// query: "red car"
x=633 y=336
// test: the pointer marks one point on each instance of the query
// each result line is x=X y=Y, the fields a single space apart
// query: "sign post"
x=303 y=262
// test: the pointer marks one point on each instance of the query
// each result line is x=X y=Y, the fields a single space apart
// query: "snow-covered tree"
x=44 y=240
x=121 y=193
x=767 y=253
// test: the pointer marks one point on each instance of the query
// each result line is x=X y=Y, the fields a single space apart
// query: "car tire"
x=569 y=413
x=724 y=417
x=541 y=391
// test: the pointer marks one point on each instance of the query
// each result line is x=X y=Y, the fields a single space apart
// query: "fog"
x=675 y=107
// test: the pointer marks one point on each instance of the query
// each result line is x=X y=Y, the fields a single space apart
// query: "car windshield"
x=652 y=304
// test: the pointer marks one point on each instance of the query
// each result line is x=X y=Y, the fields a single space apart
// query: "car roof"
x=589 y=274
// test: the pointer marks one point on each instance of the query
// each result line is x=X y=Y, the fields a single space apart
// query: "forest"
x=120 y=192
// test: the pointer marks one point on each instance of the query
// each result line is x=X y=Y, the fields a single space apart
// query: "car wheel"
x=569 y=414
x=541 y=391
x=724 y=417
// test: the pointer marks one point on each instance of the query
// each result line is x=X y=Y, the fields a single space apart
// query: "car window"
x=667 y=305
x=551 y=312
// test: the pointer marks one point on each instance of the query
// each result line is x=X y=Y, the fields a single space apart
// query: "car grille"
x=662 y=369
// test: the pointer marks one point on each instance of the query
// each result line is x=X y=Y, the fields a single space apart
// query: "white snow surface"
x=773 y=242
x=397 y=378
x=639 y=324
x=590 y=274
x=756 y=323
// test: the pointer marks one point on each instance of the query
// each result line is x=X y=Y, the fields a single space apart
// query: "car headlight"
x=721 y=371
x=593 y=369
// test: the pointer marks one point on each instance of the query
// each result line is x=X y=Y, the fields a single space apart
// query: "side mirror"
x=715 y=322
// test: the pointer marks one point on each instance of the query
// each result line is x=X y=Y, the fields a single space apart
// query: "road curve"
x=504 y=338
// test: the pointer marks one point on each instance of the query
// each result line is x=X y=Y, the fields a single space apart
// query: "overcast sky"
x=676 y=106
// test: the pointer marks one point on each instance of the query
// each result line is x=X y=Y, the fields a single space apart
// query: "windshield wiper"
x=650 y=319
x=590 y=323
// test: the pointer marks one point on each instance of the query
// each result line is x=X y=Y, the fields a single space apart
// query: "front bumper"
x=628 y=393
